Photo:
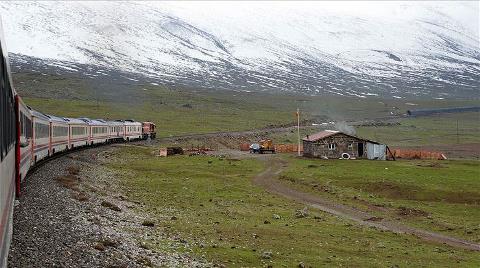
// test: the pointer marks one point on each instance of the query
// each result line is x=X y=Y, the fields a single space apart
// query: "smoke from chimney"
x=345 y=128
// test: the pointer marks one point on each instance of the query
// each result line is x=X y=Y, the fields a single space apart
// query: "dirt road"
x=268 y=179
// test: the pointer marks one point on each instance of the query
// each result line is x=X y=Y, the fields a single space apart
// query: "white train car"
x=116 y=131
x=24 y=141
x=59 y=134
x=98 y=131
x=8 y=154
x=78 y=132
x=41 y=135
x=133 y=130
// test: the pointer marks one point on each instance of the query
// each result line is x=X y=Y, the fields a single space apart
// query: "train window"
x=28 y=126
x=78 y=131
x=2 y=113
x=7 y=110
x=99 y=130
x=41 y=131
x=60 y=131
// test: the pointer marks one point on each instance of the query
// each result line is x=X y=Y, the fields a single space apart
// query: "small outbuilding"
x=331 y=144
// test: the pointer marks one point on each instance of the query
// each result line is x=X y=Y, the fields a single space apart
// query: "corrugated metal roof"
x=320 y=135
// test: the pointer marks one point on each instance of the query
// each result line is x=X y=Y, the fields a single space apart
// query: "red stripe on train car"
x=17 y=148
x=55 y=143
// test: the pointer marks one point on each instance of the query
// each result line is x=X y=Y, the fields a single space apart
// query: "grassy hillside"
x=182 y=111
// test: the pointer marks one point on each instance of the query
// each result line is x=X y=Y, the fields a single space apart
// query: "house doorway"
x=360 y=149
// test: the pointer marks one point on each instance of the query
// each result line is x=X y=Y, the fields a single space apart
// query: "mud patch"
x=68 y=181
x=374 y=218
x=431 y=165
x=411 y=212
x=111 y=206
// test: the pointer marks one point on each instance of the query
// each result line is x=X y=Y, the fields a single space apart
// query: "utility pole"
x=458 y=139
x=298 y=131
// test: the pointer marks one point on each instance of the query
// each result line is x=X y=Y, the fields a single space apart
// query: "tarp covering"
x=376 y=151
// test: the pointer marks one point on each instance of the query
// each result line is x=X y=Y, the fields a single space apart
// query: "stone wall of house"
x=334 y=146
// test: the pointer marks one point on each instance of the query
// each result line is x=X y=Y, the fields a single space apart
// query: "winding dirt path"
x=268 y=179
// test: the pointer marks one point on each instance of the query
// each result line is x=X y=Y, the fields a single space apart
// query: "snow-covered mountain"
x=392 y=49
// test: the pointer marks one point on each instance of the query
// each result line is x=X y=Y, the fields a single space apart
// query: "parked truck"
x=262 y=147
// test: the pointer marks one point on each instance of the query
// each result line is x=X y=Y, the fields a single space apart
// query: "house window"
x=331 y=146
x=350 y=146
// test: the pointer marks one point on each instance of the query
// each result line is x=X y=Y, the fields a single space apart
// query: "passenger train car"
x=8 y=152
x=59 y=136
x=28 y=136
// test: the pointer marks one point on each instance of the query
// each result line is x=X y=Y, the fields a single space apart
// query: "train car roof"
x=75 y=121
x=116 y=123
x=39 y=114
x=57 y=119
x=97 y=122
x=132 y=123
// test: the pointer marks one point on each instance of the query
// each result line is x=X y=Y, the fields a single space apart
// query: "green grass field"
x=442 y=196
x=224 y=218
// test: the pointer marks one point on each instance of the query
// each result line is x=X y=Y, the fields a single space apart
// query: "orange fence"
x=279 y=148
x=416 y=154
x=287 y=148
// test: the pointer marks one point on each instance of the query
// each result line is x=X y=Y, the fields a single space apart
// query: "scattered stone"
x=144 y=261
x=276 y=217
x=301 y=265
x=266 y=222
x=301 y=213
x=267 y=255
x=173 y=218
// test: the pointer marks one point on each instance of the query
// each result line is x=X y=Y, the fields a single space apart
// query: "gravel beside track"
x=69 y=225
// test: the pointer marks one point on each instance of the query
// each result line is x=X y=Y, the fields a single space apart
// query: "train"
x=29 y=136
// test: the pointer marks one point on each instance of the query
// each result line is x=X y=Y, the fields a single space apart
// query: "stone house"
x=331 y=144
